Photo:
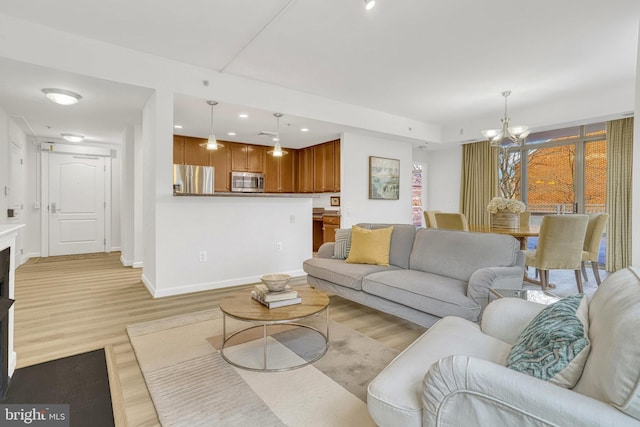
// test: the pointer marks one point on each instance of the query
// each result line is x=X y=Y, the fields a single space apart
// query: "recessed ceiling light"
x=369 y=4
x=177 y=126
x=72 y=137
x=243 y=115
x=304 y=130
x=231 y=133
x=62 y=97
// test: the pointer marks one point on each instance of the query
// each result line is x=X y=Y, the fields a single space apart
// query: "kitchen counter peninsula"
x=261 y=195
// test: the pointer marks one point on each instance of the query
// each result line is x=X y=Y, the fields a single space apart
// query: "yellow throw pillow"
x=370 y=246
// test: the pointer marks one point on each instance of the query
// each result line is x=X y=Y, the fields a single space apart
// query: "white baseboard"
x=297 y=277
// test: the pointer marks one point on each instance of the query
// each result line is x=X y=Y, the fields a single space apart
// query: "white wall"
x=239 y=235
x=116 y=177
x=4 y=165
x=356 y=207
x=13 y=139
x=444 y=172
x=635 y=190
x=126 y=196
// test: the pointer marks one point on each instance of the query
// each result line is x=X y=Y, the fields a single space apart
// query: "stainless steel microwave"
x=247 y=182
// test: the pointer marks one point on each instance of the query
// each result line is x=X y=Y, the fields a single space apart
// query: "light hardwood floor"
x=70 y=306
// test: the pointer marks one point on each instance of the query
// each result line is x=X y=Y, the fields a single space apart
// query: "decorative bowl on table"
x=275 y=282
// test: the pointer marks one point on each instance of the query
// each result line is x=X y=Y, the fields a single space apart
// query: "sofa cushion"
x=370 y=246
x=458 y=254
x=401 y=241
x=342 y=244
x=341 y=273
x=437 y=295
x=393 y=397
x=554 y=347
x=612 y=371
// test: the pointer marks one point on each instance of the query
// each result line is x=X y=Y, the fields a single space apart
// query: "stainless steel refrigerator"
x=192 y=179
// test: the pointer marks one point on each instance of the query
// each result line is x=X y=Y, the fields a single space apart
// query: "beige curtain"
x=479 y=181
x=619 y=163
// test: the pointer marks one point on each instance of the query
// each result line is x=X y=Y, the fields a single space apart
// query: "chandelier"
x=508 y=135
x=277 y=149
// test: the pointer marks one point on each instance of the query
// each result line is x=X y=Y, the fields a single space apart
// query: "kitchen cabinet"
x=247 y=158
x=178 y=149
x=330 y=223
x=187 y=150
x=220 y=159
x=279 y=173
x=324 y=167
x=336 y=166
x=194 y=154
x=305 y=170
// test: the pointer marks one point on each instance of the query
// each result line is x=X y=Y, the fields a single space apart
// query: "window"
x=559 y=171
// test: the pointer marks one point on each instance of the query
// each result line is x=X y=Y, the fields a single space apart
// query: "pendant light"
x=212 y=143
x=277 y=148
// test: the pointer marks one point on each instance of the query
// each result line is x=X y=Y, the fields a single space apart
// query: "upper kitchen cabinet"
x=336 y=165
x=194 y=154
x=220 y=159
x=279 y=173
x=324 y=167
x=305 y=170
x=178 y=149
x=187 y=150
x=247 y=158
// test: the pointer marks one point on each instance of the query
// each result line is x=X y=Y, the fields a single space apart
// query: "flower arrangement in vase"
x=505 y=213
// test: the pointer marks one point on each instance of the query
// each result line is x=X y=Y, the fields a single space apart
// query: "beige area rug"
x=191 y=385
x=72 y=257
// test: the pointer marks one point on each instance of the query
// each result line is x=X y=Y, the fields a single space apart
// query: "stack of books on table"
x=270 y=299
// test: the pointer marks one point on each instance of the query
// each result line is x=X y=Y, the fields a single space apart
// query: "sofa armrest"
x=460 y=390
x=506 y=318
x=326 y=250
x=493 y=277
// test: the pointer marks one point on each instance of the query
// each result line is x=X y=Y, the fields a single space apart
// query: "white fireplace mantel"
x=8 y=233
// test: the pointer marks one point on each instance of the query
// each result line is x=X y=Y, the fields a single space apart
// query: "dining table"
x=521 y=233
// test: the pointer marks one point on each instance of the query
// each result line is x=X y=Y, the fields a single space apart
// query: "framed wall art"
x=334 y=200
x=384 y=178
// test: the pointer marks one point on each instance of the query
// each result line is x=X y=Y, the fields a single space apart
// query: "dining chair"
x=430 y=219
x=451 y=221
x=559 y=247
x=591 y=248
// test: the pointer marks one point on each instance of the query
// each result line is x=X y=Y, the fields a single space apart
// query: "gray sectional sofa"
x=432 y=273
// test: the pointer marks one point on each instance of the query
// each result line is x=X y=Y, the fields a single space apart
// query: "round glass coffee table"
x=240 y=306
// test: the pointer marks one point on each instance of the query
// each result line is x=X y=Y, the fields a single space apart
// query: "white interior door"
x=76 y=204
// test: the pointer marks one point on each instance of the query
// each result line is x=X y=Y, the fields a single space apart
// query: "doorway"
x=75 y=206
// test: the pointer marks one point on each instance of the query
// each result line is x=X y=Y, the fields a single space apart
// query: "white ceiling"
x=441 y=62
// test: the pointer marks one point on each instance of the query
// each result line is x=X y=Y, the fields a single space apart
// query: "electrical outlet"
x=292 y=219
x=203 y=256
x=278 y=246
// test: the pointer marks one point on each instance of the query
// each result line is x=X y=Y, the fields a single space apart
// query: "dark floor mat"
x=81 y=381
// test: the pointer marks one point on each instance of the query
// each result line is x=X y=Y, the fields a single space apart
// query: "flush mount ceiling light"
x=277 y=149
x=508 y=135
x=72 y=137
x=212 y=143
x=62 y=97
x=369 y=4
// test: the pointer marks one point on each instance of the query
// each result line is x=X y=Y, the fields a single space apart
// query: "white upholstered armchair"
x=455 y=373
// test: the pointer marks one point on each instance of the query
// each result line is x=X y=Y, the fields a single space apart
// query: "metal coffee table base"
x=264 y=325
